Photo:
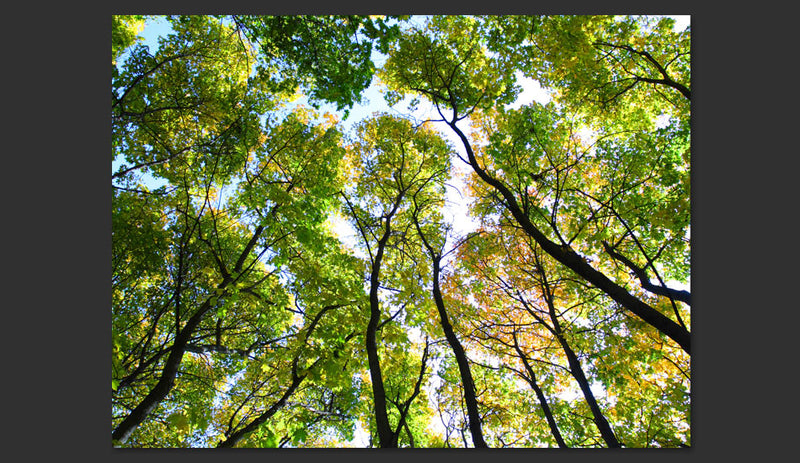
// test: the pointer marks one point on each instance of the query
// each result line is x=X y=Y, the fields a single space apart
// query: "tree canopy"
x=242 y=314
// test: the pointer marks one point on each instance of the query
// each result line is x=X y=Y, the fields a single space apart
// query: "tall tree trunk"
x=386 y=437
x=468 y=383
x=461 y=360
x=599 y=419
x=577 y=372
x=385 y=434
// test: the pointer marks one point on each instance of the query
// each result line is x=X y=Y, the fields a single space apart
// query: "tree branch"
x=680 y=295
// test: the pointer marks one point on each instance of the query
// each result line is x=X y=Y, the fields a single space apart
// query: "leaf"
x=270 y=439
x=180 y=421
x=299 y=435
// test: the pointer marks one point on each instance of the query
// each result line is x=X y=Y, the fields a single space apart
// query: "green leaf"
x=299 y=435
x=180 y=421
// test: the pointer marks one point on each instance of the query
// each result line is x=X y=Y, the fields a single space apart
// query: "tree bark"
x=467 y=381
x=665 y=80
x=165 y=383
x=237 y=436
x=385 y=434
x=599 y=419
x=404 y=408
x=676 y=294
x=577 y=372
x=461 y=359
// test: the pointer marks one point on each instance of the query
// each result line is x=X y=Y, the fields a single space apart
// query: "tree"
x=436 y=254
x=396 y=163
x=603 y=61
x=242 y=316
x=330 y=56
x=549 y=317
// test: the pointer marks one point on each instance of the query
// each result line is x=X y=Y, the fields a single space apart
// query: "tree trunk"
x=461 y=359
x=235 y=437
x=385 y=434
x=167 y=380
x=577 y=372
x=599 y=419
x=548 y=414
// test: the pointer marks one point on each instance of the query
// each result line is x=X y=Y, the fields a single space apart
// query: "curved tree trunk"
x=385 y=433
x=461 y=359
x=240 y=434
x=165 y=383
x=237 y=436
